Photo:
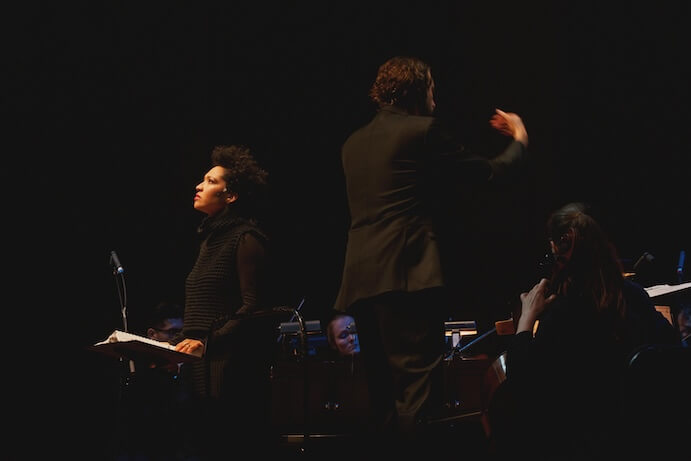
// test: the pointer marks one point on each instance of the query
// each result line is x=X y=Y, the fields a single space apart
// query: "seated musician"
x=342 y=335
x=565 y=372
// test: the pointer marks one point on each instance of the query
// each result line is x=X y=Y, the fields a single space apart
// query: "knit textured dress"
x=221 y=288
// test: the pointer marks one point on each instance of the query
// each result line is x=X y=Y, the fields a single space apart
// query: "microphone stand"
x=295 y=312
x=119 y=274
x=302 y=355
x=121 y=287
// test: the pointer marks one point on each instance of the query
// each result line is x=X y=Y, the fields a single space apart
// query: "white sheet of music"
x=119 y=336
x=659 y=290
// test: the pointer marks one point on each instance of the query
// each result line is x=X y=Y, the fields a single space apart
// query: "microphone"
x=680 y=265
x=116 y=263
x=546 y=265
x=645 y=258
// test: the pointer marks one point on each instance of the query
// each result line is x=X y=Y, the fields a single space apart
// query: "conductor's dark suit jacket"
x=397 y=171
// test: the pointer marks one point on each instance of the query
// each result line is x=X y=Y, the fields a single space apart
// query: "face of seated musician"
x=342 y=335
x=165 y=322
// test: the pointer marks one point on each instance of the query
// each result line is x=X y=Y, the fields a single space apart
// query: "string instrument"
x=473 y=380
x=497 y=402
x=492 y=391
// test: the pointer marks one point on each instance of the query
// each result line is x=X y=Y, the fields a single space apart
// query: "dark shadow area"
x=124 y=102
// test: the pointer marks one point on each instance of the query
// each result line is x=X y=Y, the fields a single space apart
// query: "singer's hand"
x=509 y=124
x=191 y=346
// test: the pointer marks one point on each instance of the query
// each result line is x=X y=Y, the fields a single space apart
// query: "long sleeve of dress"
x=250 y=265
x=250 y=260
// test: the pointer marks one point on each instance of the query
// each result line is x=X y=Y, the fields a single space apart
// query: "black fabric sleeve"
x=513 y=156
x=518 y=356
x=250 y=259
x=456 y=159
x=452 y=160
x=249 y=265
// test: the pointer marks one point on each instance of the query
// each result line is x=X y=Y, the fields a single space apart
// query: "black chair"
x=655 y=401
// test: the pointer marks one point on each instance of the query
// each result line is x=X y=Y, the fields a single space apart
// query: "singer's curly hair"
x=402 y=81
x=244 y=176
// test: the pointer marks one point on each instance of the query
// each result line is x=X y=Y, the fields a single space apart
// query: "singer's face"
x=211 y=195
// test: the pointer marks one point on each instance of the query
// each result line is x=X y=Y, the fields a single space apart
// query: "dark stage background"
x=132 y=97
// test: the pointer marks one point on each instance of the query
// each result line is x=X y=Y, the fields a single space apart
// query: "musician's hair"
x=594 y=269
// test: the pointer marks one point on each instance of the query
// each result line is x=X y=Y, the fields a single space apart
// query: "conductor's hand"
x=191 y=346
x=509 y=124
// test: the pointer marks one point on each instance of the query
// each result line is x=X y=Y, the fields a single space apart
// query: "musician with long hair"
x=567 y=362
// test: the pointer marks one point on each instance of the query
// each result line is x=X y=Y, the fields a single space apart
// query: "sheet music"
x=659 y=290
x=119 y=336
x=121 y=344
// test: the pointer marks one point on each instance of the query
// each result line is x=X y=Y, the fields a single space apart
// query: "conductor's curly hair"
x=402 y=81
